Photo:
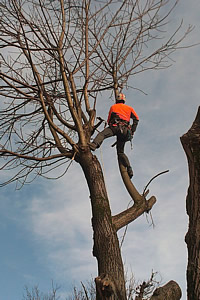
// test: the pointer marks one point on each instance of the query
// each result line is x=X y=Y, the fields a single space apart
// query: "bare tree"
x=56 y=59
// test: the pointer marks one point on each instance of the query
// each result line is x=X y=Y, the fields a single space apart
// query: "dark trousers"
x=108 y=132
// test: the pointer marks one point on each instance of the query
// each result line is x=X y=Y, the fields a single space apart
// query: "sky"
x=45 y=228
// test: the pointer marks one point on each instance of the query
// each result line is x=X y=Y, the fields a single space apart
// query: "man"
x=118 y=120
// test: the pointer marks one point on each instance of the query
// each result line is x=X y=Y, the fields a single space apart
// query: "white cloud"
x=60 y=224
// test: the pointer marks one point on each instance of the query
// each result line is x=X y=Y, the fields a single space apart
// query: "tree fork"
x=191 y=144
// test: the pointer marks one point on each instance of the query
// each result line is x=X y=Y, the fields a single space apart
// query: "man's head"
x=120 y=98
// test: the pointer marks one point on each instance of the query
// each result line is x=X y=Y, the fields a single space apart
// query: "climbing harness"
x=124 y=132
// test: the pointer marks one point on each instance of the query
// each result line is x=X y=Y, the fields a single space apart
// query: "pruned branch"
x=132 y=213
x=170 y=291
x=140 y=206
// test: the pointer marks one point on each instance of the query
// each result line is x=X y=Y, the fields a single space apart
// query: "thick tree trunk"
x=191 y=145
x=110 y=282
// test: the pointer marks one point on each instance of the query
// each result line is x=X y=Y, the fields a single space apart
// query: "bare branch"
x=60 y=55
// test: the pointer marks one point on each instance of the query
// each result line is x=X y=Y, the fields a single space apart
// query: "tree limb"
x=140 y=206
x=132 y=213
x=5 y=152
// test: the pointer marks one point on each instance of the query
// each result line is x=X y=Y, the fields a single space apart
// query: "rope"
x=103 y=168
x=125 y=230
x=102 y=162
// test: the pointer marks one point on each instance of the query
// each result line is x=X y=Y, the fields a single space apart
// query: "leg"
x=123 y=158
x=101 y=136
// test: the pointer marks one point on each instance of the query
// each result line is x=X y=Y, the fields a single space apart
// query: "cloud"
x=59 y=221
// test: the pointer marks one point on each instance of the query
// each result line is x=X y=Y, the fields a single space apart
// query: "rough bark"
x=191 y=145
x=170 y=291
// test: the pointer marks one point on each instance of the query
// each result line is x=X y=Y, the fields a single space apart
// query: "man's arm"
x=134 y=125
x=135 y=118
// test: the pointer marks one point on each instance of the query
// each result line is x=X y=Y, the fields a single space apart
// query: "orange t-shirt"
x=124 y=111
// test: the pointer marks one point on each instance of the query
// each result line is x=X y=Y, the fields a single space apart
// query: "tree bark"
x=170 y=291
x=191 y=145
x=110 y=282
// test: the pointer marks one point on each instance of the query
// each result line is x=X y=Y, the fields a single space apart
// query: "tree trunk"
x=191 y=145
x=170 y=291
x=110 y=282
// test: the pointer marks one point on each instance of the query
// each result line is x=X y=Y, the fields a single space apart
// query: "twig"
x=144 y=193
x=85 y=291
x=152 y=180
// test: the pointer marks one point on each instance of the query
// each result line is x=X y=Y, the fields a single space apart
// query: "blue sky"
x=45 y=227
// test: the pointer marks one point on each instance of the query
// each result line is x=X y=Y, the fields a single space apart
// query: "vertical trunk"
x=110 y=282
x=191 y=145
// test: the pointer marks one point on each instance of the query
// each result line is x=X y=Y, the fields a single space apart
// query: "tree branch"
x=5 y=152
x=140 y=206
x=132 y=213
x=135 y=195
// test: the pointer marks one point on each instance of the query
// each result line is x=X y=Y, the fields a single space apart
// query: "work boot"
x=92 y=146
x=130 y=172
